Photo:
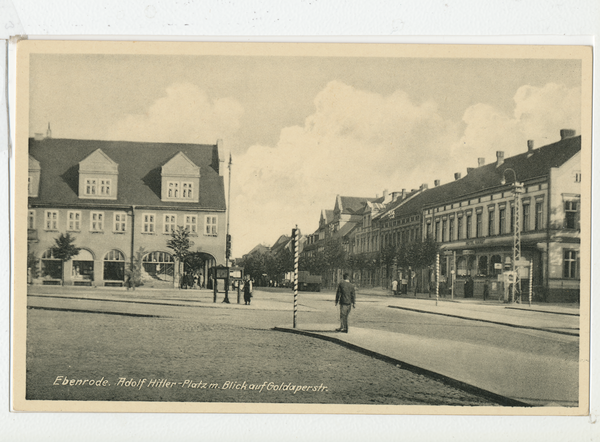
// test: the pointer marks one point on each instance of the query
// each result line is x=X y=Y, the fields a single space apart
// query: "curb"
x=507 y=324
x=542 y=311
x=497 y=398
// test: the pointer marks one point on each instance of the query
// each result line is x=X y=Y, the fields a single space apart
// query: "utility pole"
x=228 y=236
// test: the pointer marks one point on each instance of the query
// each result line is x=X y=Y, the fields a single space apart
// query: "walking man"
x=346 y=297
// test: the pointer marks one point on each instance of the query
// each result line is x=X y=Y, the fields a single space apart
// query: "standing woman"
x=247 y=290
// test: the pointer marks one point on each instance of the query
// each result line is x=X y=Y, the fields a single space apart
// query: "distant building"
x=121 y=201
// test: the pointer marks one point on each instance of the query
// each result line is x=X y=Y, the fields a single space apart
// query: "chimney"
x=470 y=169
x=529 y=145
x=480 y=162
x=499 y=158
x=423 y=186
x=385 y=194
x=38 y=136
x=49 y=132
x=567 y=133
x=457 y=176
x=403 y=193
x=436 y=183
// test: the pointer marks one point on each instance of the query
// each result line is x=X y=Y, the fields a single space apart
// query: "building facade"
x=121 y=201
x=474 y=222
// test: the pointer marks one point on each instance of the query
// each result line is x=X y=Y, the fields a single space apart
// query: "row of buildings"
x=121 y=201
x=472 y=220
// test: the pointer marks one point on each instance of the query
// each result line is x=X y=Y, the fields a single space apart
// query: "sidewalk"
x=509 y=377
x=144 y=301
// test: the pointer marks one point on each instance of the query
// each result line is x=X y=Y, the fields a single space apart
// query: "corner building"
x=472 y=219
x=121 y=201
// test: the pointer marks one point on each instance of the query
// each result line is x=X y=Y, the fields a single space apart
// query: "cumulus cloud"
x=539 y=114
x=184 y=115
x=358 y=143
x=355 y=143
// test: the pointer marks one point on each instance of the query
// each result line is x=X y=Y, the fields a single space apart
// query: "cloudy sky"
x=302 y=130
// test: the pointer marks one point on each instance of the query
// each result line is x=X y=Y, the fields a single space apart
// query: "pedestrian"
x=469 y=285
x=346 y=297
x=247 y=290
x=486 y=290
x=395 y=287
x=196 y=282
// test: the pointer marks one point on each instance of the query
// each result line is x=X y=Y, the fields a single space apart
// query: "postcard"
x=302 y=228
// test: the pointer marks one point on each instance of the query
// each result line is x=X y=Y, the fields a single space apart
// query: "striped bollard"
x=530 y=281
x=296 y=254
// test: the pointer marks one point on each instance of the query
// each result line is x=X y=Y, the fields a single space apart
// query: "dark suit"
x=346 y=297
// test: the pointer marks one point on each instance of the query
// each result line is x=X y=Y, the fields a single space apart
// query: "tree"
x=180 y=244
x=64 y=249
x=335 y=255
x=387 y=256
x=32 y=265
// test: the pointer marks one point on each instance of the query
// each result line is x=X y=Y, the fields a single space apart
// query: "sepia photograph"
x=302 y=228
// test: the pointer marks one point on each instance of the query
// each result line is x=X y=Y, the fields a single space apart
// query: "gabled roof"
x=98 y=161
x=527 y=166
x=351 y=204
x=327 y=215
x=280 y=244
x=345 y=230
x=259 y=248
x=139 y=171
x=180 y=165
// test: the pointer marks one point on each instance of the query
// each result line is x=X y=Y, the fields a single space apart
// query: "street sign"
x=468 y=252
x=510 y=277
x=497 y=266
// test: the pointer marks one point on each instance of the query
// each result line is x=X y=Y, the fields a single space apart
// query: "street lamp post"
x=517 y=191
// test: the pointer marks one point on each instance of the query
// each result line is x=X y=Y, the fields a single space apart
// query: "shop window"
x=114 y=266
x=496 y=265
x=482 y=266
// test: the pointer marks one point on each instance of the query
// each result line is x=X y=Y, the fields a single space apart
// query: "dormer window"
x=98 y=176
x=180 y=179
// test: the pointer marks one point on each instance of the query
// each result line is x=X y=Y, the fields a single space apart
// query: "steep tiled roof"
x=139 y=172
x=353 y=204
x=527 y=166
x=345 y=229
x=328 y=215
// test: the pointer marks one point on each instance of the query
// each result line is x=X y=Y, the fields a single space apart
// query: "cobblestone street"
x=205 y=346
